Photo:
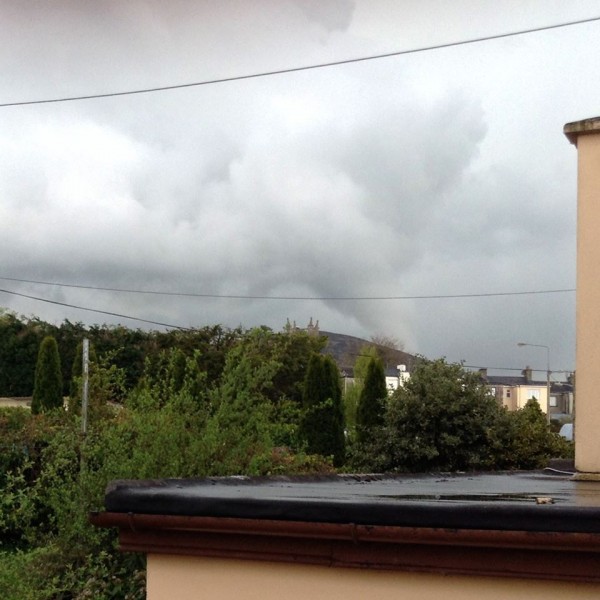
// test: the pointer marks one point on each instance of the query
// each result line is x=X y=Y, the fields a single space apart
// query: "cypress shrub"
x=47 y=387
x=371 y=405
x=323 y=422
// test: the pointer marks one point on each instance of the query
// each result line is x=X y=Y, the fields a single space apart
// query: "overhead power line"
x=307 y=298
x=301 y=68
x=94 y=310
x=170 y=326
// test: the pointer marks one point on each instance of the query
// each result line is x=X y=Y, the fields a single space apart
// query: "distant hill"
x=345 y=349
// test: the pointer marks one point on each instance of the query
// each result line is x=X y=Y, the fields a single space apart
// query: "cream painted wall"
x=587 y=401
x=519 y=395
x=522 y=395
x=193 y=578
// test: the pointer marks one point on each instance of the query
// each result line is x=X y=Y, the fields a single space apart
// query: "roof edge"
x=585 y=127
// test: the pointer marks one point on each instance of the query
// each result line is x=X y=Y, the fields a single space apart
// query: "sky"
x=344 y=194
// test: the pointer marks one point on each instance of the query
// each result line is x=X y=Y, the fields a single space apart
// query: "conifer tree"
x=371 y=405
x=323 y=422
x=314 y=390
x=47 y=388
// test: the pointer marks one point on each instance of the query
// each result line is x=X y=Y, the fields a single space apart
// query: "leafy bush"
x=440 y=420
x=180 y=421
x=173 y=425
x=523 y=439
x=444 y=419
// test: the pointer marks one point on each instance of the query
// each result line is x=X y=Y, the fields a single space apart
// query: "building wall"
x=587 y=407
x=523 y=394
x=195 y=578
x=516 y=396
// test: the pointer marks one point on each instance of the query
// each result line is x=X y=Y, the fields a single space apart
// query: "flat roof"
x=540 y=501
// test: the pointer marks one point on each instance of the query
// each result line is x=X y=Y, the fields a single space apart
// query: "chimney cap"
x=576 y=128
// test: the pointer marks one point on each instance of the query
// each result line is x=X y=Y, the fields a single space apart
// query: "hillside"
x=345 y=349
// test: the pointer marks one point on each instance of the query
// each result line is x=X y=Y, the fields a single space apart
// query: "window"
x=533 y=394
x=508 y=392
x=553 y=401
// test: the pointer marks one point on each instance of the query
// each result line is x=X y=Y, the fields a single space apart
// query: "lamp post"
x=521 y=344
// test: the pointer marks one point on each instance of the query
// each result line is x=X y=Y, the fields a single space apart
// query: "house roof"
x=556 y=387
x=512 y=380
x=497 y=501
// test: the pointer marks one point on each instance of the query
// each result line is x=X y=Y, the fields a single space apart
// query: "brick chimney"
x=585 y=135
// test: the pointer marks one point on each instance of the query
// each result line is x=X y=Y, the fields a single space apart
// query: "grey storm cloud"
x=399 y=177
x=333 y=15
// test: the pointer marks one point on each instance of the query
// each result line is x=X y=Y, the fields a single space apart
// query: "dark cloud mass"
x=419 y=175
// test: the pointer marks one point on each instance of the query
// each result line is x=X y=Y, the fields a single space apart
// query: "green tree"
x=524 y=439
x=314 y=382
x=443 y=418
x=47 y=389
x=372 y=402
x=20 y=340
x=323 y=421
x=354 y=388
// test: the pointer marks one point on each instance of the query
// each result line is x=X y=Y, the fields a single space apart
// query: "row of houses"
x=512 y=392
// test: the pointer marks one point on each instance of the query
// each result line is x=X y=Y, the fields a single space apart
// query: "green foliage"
x=216 y=402
x=293 y=352
x=175 y=424
x=322 y=425
x=361 y=365
x=351 y=397
x=24 y=575
x=314 y=390
x=353 y=390
x=238 y=432
x=441 y=419
x=20 y=340
x=523 y=439
x=48 y=387
x=170 y=373
x=372 y=403
x=13 y=445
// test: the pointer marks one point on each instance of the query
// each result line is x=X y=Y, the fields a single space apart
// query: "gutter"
x=572 y=556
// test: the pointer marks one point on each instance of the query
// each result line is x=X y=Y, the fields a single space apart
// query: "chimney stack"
x=585 y=135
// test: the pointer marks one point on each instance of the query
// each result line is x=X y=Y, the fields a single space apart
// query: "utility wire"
x=312 y=298
x=180 y=327
x=170 y=326
x=95 y=310
x=302 y=68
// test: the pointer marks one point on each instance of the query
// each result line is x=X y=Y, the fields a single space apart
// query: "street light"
x=521 y=344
